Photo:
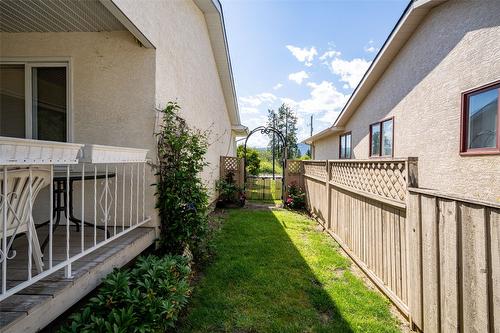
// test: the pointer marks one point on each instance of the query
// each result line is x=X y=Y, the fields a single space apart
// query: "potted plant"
x=230 y=194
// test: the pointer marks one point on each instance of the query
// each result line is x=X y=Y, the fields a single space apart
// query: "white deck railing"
x=92 y=193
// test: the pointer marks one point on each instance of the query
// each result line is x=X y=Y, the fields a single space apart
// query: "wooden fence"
x=233 y=166
x=455 y=264
x=435 y=256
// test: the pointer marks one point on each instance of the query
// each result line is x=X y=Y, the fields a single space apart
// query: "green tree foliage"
x=182 y=199
x=285 y=121
x=253 y=159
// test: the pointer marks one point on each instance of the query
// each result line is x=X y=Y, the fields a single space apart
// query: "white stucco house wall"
x=435 y=86
x=107 y=66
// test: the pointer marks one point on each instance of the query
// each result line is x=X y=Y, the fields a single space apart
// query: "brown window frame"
x=340 y=146
x=381 y=149
x=464 y=122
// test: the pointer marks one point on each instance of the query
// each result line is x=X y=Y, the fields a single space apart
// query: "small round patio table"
x=60 y=203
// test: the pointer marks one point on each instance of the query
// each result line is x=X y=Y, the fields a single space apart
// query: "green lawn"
x=274 y=272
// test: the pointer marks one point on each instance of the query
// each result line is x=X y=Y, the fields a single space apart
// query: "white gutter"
x=324 y=133
x=214 y=17
x=239 y=130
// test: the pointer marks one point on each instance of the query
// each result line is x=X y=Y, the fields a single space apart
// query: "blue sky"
x=308 y=54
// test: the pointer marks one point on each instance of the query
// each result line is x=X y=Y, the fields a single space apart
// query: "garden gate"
x=264 y=188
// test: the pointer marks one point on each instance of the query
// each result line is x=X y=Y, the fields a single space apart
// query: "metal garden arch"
x=267 y=130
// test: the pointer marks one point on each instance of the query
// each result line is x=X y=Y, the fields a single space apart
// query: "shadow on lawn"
x=260 y=282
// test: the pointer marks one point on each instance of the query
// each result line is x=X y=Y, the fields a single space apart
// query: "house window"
x=34 y=101
x=381 y=138
x=481 y=120
x=345 y=145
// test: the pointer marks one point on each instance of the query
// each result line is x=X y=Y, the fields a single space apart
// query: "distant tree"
x=308 y=153
x=253 y=160
x=285 y=121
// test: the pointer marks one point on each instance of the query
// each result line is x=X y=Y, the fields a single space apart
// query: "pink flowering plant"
x=296 y=197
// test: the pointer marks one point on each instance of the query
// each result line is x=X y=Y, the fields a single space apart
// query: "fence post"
x=241 y=172
x=411 y=213
x=221 y=167
x=412 y=172
x=328 y=194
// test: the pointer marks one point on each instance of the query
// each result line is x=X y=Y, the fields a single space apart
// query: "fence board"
x=415 y=262
x=448 y=247
x=430 y=260
x=494 y=232
x=474 y=280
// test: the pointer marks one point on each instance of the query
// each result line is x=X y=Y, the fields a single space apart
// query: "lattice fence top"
x=384 y=178
x=294 y=166
x=316 y=169
x=231 y=163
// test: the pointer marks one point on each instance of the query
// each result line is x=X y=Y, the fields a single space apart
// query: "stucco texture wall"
x=186 y=71
x=112 y=90
x=455 y=49
x=326 y=148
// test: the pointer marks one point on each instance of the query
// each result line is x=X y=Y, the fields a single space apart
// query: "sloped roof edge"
x=411 y=18
x=214 y=17
x=323 y=134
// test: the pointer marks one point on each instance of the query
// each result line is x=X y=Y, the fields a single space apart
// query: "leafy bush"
x=296 y=197
x=182 y=199
x=229 y=192
x=147 y=298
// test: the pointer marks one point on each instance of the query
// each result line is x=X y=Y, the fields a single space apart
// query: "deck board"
x=17 y=308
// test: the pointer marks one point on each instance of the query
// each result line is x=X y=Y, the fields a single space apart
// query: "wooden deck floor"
x=37 y=305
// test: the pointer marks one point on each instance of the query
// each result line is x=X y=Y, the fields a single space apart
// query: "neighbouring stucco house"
x=80 y=82
x=432 y=92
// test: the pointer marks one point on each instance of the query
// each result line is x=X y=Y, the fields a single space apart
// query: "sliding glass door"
x=34 y=101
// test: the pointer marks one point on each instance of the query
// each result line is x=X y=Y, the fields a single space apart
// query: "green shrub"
x=147 y=298
x=229 y=191
x=296 y=198
x=182 y=198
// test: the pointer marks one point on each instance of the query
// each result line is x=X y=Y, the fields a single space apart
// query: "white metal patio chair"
x=19 y=216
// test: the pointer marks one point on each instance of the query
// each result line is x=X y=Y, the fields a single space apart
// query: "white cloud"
x=253 y=110
x=248 y=110
x=257 y=100
x=298 y=77
x=325 y=102
x=350 y=71
x=304 y=55
x=277 y=86
x=329 y=54
x=370 y=47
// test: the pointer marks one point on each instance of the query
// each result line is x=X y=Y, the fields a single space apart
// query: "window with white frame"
x=34 y=100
